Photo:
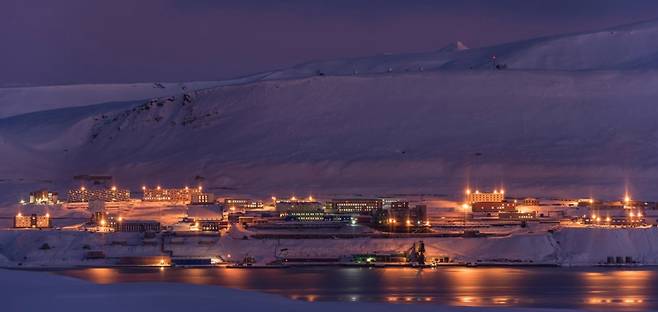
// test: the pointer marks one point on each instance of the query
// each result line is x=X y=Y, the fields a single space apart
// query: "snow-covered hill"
x=627 y=47
x=538 y=132
x=22 y=100
x=402 y=123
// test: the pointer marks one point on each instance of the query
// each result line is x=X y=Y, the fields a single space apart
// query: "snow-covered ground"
x=34 y=291
x=568 y=247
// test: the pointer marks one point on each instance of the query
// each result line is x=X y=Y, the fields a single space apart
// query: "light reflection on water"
x=589 y=288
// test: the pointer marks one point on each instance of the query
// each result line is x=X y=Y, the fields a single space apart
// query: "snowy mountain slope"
x=21 y=100
x=627 y=47
x=541 y=133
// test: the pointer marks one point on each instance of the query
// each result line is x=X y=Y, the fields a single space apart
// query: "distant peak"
x=454 y=47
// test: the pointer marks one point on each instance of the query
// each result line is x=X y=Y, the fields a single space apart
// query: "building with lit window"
x=202 y=199
x=43 y=197
x=32 y=221
x=136 y=226
x=491 y=209
x=401 y=214
x=87 y=194
x=170 y=194
x=517 y=216
x=483 y=197
x=358 y=206
x=300 y=210
x=242 y=203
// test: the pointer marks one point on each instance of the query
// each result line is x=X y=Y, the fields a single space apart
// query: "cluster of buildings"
x=494 y=205
x=392 y=215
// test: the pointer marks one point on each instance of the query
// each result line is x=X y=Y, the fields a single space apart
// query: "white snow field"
x=34 y=291
x=567 y=247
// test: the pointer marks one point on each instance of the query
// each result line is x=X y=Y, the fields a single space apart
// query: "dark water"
x=586 y=288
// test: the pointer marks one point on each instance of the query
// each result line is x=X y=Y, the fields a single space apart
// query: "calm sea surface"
x=586 y=288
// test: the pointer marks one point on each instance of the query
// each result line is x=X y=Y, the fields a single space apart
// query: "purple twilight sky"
x=77 y=41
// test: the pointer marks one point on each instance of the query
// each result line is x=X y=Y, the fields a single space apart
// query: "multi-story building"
x=202 y=198
x=356 y=206
x=400 y=214
x=43 y=197
x=84 y=194
x=242 y=203
x=300 y=210
x=491 y=209
x=136 y=226
x=517 y=216
x=32 y=221
x=483 y=197
x=170 y=194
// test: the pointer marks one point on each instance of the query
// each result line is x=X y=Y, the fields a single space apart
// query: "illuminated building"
x=491 y=209
x=43 y=197
x=300 y=210
x=242 y=203
x=32 y=221
x=517 y=216
x=170 y=194
x=529 y=201
x=400 y=214
x=358 y=206
x=137 y=226
x=202 y=198
x=484 y=197
x=87 y=194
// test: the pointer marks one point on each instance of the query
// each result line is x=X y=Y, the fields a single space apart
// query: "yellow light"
x=47 y=215
x=82 y=188
x=408 y=222
x=632 y=214
x=502 y=191
x=639 y=215
x=607 y=219
x=232 y=208
x=19 y=215
x=103 y=222
x=310 y=198
x=593 y=216
x=200 y=188
x=114 y=188
x=495 y=191
x=293 y=198
x=477 y=192
x=468 y=191
x=627 y=198
x=143 y=188
x=466 y=206
x=591 y=200
x=158 y=187
x=120 y=219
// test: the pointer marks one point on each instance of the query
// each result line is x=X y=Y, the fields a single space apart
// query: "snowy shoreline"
x=567 y=247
